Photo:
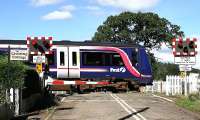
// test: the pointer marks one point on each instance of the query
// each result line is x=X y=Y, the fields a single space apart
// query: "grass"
x=192 y=102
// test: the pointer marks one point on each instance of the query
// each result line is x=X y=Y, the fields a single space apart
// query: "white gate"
x=175 y=85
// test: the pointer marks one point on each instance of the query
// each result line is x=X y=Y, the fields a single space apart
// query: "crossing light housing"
x=184 y=48
x=40 y=45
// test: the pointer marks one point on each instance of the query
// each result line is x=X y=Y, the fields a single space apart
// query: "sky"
x=78 y=20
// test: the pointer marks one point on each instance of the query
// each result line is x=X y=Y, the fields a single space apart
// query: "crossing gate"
x=51 y=81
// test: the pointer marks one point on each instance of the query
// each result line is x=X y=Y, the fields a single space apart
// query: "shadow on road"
x=130 y=115
x=64 y=108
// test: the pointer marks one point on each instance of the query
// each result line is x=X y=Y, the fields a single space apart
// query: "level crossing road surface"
x=120 y=106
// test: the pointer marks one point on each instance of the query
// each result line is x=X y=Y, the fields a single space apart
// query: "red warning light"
x=39 y=45
x=180 y=43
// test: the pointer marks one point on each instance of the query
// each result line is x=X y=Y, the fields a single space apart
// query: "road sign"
x=38 y=59
x=187 y=60
x=185 y=67
x=182 y=74
x=39 y=67
x=18 y=54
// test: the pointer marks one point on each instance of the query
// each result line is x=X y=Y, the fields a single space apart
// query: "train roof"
x=76 y=43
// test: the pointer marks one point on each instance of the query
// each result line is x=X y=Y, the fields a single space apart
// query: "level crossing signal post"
x=185 y=56
x=38 y=48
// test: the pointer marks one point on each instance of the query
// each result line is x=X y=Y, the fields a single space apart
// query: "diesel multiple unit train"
x=90 y=61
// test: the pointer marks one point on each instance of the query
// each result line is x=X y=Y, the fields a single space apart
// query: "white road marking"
x=123 y=106
x=49 y=115
x=163 y=98
x=90 y=100
x=62 y=99
x=123 y=101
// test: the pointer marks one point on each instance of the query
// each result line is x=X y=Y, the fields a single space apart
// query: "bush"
x=11 y=75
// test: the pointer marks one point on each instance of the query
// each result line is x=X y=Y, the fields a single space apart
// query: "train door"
x=62 y=62
x=74 y=62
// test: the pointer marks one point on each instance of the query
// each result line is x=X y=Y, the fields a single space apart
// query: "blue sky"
x=78 y=20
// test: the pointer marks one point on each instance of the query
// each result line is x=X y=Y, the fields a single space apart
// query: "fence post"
x=167 y=85
x=185 y=86
x=16 y=101
x=175 y=85
x=161 y=86
x=178 y=84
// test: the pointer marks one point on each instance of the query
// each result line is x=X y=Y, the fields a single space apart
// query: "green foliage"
x=12 y=74
x=160 y=70
x=147 y=29
x=194 y=71
x=192 y=102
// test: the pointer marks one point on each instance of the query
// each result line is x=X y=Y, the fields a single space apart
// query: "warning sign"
x=182 y=74
x=38 y=59
x=39 y=67
x=18 y=54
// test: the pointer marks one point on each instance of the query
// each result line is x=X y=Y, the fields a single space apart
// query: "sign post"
x=184 y=55
x=39 y=47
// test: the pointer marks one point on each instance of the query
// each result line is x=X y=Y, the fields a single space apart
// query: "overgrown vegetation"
x=11 y=75
x=192 y=102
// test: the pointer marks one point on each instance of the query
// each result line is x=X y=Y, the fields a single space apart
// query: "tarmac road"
x=122 y=106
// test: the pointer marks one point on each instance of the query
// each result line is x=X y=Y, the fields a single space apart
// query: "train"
x=88 y=63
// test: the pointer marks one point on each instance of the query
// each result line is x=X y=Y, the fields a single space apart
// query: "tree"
x=163 y=69
x=147 y=29
x=11 y=76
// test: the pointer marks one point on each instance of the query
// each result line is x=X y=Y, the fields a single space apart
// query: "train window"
x=134 y=56
x=116 y=60
x=92 y=58
x=107 y=59
x=62 y=58
x=74 y=59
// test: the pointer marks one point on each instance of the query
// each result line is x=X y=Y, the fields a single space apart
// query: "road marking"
x=169 y=100
x=134 y=110
x=90 y=101
x=123 y=106
x=49 y=115
x=62 y=99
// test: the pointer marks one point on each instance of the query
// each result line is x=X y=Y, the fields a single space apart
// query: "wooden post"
x=185 y=87
x=166 y=86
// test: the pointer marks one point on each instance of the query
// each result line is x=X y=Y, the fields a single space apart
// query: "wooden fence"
x=175 y=85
